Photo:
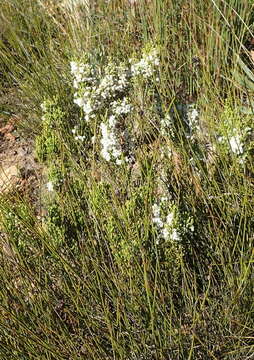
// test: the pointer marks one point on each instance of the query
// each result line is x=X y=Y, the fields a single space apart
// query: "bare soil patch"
x=19 y=170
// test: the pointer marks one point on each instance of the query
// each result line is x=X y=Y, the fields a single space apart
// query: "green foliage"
x=128 y=229
x=48 y=144
x=18 y=221
x=55 y=226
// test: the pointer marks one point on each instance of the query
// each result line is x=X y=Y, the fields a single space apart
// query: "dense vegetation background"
x=138 y=241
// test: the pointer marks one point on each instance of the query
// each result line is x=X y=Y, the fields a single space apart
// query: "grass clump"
x=143 y=248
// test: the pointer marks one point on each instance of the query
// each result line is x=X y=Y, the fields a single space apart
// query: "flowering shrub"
x=166 y=223
x=111 y=126
x=172 y=227
x=104 y=95
x=109 y=142
x=234 y=134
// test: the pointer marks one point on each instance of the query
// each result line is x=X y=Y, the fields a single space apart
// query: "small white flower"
x=175 y=235
x=74 y=130
x=50 y=186
x=74 y=67
x=170 y=218
x=166 y=125
x=105 y=154
x=119 y=161
x=79 y=102
x=146 y=66
x=167 y=226
x=156 y=210
x=157 y=220
x=236 y=145
x=163 y=199
x=87 y=107
x=112 y=121
x=43 y=106
x=122 y=107
x=80 y=138
x=165 y=233
x=109 y=144
x=193 y=116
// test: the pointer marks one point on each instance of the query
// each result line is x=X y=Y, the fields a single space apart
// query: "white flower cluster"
x=82 y=73
x=121 y=108
x=166 y=219
x=146 y=67
x=236 y=144
x=77 y=137
x=186 y=112
x=111 y=149
x=166 y=125
x=102 y=92
x=115 y=81
x=166 y=224
x=95 y=93
x=235 y=141
x=50 y=186
x=109 y=144
x=44 y=106
x=193 y=117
